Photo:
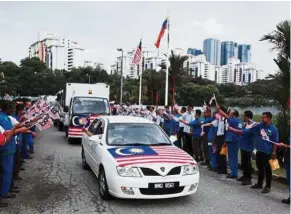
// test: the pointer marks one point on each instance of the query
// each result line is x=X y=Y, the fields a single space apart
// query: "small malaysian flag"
x=138 y=55
x=54 y=114
x=39 y=104
x=31 y=112
x=45 y=123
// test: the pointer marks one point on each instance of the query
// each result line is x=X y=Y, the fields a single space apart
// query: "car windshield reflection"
x=128 y=134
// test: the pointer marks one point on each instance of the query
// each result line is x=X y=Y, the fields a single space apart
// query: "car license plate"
x=168 y=185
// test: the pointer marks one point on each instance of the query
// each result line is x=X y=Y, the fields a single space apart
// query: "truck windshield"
x=90 y=105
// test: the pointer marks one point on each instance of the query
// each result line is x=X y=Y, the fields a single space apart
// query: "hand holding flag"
x=205 y=106
x=212 y=99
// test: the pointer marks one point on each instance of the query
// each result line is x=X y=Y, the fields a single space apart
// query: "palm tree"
x=282 y=78
x=154 y=82
x=176 y=70
x=280 y=38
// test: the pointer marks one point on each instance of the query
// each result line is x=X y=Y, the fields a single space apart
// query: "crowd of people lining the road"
x=16 y=146
x=215 y=138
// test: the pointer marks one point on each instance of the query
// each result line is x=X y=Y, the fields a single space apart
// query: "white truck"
x=81 y=102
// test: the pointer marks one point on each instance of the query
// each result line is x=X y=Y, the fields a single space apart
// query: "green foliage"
x=29 y=80
x=280 y=38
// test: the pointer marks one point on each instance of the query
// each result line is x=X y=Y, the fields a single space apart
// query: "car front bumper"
x=140 y=187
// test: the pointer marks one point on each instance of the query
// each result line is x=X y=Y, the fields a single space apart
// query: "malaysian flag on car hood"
x=137 y=155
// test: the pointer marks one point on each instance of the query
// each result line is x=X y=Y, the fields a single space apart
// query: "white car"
x=134 y=158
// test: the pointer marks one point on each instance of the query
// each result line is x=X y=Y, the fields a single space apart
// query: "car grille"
x=151 y=172
x=146 y=191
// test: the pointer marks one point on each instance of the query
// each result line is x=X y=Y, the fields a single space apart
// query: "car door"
x=93 y=141
x=99 y=148
x=87 y=144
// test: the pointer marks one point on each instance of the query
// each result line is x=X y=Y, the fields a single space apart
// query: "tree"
x=34 y=63
x=176 y=70
x=280 y=38
x=155 y=83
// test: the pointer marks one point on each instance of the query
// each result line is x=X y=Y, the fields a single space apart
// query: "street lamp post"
x=89 y=78
x=121 y=80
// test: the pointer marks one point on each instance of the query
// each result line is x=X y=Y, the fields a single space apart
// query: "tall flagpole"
x=167 y=64
x=140 y=77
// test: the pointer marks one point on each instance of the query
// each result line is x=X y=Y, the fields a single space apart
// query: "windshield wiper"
x=136 y=144
x=161 y=144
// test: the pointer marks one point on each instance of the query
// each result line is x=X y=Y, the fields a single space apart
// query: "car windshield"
x=128 y=134
x=90 y=105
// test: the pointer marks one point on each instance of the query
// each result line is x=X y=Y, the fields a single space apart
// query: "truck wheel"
x=70 y=140
x=61 y=127
x=66 y=131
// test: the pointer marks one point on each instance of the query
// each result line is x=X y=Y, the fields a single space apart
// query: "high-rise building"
x=229 y=49
x=150 y=60
x=59 y=52
x=239 y=73
x=245 y=73
x=194 y=51
x=211 y=49
x=244 y=53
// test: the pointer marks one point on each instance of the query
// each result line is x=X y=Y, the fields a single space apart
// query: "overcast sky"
x=105 y=26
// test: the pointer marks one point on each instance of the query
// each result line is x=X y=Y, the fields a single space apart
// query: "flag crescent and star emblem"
x=131 y=151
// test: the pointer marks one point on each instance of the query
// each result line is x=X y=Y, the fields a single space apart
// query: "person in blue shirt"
x=167 y=121
x=287 y=162
x=196 y=135
x=211 y=134
x=26 y=138
x=232 y=140
x=180 y=131
x=246 y=146
x=174 y=126
x=17 y=166
x=265 y=149
x=207 y=119
x=173 y=122
x=7 y=151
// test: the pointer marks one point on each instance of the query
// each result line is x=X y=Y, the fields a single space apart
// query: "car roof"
x=127 y=119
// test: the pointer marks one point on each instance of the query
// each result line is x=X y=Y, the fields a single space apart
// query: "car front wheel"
x=103 y=187
x=84 y=162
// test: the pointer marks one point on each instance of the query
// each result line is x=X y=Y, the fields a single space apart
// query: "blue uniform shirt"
x=247 y=141
x=166 y=124
x=207 y=128
x=261 y=144
x=234 y=123
x=196 y=132
x=211 y=134
x=5 y=122
x=172 y=126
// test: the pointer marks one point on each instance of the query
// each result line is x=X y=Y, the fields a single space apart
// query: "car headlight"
x=128 y=171
x=190 y=170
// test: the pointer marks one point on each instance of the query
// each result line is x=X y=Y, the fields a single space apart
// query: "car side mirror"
x=173 y=139
x=66 y=109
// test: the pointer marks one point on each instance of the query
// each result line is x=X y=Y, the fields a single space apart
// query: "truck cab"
x=85 y=104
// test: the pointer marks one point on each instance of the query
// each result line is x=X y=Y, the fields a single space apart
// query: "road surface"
x=54 y=182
